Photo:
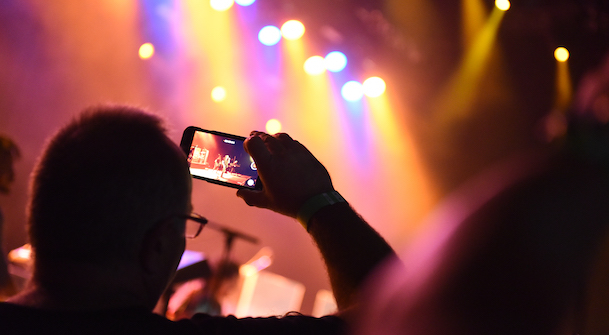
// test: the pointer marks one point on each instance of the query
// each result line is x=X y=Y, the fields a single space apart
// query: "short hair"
x=104 y=180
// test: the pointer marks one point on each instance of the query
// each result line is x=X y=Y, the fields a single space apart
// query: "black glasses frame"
x=198 y=219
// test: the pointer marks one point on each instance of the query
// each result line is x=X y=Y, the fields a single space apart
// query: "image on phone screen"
x=219 y=158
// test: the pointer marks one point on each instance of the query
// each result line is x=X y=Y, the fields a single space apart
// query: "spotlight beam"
x=456 y=99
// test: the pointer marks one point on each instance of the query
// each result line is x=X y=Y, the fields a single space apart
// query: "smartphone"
x=219 y=158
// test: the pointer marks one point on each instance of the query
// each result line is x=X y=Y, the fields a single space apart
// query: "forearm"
x=350 y=247
x=292 y=180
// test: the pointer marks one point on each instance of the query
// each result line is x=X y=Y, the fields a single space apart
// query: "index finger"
x=255 y=147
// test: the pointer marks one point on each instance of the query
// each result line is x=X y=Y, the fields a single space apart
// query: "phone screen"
x=219 y=158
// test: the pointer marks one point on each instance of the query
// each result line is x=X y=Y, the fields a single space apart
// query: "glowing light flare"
x=374 y=87
x=292 y=30
x=269 y=35
x=352 y=91
x=314 y=65
x=262 y=263
x=218 y=94
x=244 y=3
x=335 y=61
x=221 y=5
x=503 y=5
x=146 y=50
x=273 y=126
x=561 y=54
x=247 y=270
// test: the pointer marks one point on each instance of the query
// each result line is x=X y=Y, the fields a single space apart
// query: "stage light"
x=269 y=35
x=335 y=61
x=244 y=3
x=146 y=50
x=503 y=4
x=218 y=94
x=352 y=91
x=374 y=87
x=221 y=5
x=292 y=30
x=314 y=65
x=561 y=54
x=247 y=270
x=273 y=126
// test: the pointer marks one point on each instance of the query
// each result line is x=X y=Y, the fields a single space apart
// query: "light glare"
x=269 y=35
x=146 y=50
x=561 y=54
x=315 y=65
x=218 y=94
x=352 y=91
x=273 y=126
x=221 y=5
x=374 y=87
x=335 y=61
x=292 y=30
x=503 y=4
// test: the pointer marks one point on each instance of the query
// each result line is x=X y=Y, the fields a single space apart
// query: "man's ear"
x=159 y=256
x=159 y=247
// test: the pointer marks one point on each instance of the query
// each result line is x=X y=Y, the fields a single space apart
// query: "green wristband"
x=316 y=203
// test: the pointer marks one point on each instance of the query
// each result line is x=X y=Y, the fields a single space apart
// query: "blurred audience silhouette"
x=8 y=153
x=523 y=246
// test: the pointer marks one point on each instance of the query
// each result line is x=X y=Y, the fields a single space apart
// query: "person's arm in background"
x=291 y=176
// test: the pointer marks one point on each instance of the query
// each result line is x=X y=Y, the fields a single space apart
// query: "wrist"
x=316 y=203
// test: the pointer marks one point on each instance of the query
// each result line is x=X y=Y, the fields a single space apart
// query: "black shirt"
x=15 y=319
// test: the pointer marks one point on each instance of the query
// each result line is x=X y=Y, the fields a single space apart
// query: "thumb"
x=253 y=198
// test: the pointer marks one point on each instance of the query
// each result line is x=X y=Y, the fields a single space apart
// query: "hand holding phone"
x=219 y=158
x=290 y=173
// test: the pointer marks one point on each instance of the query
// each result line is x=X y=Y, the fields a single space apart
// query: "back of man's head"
x=103 y=181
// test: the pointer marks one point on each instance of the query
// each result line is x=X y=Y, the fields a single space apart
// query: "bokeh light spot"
x=244 y=3
x=374 y=87
x=352 y=91
x=273 y=126
x=146 y=50
x=218 y=94
x=335 y=61
x=503 y=4
x=269 y=35
x=314 y=65
x=561 y=54
x=292 y=30
x=221 y=5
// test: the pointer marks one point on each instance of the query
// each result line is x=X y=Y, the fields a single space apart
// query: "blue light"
x=352 y=91
x=269 y=35
x=244 y=2
x=335 y=61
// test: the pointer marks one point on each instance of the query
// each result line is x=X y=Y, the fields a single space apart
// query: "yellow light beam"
x=564 y=87
x=393 y=142
x=473 y=17
x=218 y=53
x=456 y=99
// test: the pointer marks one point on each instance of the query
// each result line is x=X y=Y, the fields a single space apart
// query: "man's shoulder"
x=292 y=323
x=15 y=319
